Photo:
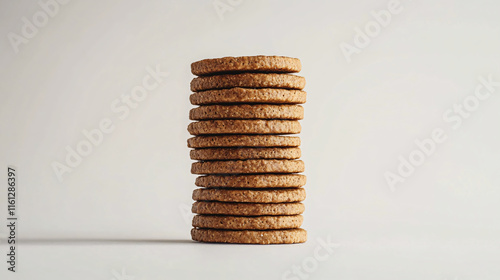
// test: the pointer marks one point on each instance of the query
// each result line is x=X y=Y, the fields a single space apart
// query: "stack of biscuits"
x=250 y=190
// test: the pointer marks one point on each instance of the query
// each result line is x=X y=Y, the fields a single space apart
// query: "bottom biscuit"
x=284 y=236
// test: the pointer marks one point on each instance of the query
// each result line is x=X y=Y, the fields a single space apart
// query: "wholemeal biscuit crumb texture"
x=283 y=236
x=244 y=127
x=245 y=153
x=249 y=95
x=252 y=181
x=210 y=141
x=247 y=111
x=254 y=196
x=258 y=63
x=247 y=209
x=248 y=166
x=248 y=80
x=242 y=222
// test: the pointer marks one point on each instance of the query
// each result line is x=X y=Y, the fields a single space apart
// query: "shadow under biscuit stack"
x=250 y=190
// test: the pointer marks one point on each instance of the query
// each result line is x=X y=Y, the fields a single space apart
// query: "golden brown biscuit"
x=209 y=141
x=248 y=166
x=247 y=209
x=282 y=236
x=252 y=181
x=244 y=127
x=249 y=95
x=248 y=80
x=247 y=111
x=258 y=63
x=254 y=196
x=241 y=222
x=245 y=153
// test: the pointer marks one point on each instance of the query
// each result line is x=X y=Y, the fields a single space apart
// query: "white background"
x=125 y=209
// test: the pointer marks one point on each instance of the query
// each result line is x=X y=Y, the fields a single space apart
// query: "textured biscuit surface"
x=243 y=141
x=248 y=166
x=256 y=196
x=245 y=153
x=258 y=63
x=244 y=127
x=247 y=209
x=252 y=181
x=248 y=80
x=248 y=95
x=247 y=111
x=239 y=222
x=281 y=236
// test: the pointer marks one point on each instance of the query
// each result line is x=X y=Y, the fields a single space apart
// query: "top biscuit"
x=260 y=63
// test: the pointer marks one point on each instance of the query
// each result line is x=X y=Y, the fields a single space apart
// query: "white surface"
x=441 y=223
